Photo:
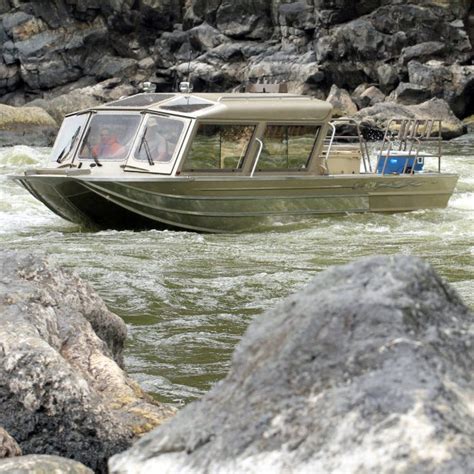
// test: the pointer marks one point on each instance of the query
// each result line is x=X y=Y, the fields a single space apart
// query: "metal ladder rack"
x=407 y=136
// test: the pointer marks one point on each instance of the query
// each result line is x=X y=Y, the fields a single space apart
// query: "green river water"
x=187 y=298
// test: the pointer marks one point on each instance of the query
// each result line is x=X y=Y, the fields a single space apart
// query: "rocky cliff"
x=418 y=48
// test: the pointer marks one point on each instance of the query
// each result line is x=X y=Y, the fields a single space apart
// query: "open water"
x=187 y=298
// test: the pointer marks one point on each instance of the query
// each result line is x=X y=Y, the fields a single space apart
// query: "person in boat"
x=108 y=146
x=159 y=145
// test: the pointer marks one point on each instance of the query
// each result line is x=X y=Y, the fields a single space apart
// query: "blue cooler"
x=396 y=162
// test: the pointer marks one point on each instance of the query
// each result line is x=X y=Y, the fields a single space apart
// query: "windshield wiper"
x=63 y=155
x=91 y=153
x=144 y=144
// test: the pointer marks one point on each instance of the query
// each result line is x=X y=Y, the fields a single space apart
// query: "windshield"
x=159 y=140
x=68 y=136
x=109 y=137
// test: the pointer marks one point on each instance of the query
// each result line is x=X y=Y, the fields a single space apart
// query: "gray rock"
x=110 y=66
x=387 y=77
x=409 y=94
x=423 y=51
x=368 y=97
x=379 y=114
x=368 y=369
x=341 y=101
x=8 y=446
x=62 y=391
x=4 y=6
x=453 y=83
x=42 y=464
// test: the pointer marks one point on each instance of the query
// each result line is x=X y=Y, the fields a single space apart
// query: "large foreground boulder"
x=368 y=369
x=62 y=390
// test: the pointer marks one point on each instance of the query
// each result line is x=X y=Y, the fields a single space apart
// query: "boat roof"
x=227 y=106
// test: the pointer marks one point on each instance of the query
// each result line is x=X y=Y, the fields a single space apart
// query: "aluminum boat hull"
x=231 y=204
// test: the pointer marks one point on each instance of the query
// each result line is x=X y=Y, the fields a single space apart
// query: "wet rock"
x=341 y=101
x=367 y=369
x=8 y=446
x=42 y=464
x=62 y=390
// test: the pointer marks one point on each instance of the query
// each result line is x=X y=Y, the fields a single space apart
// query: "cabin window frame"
x=311 y=157
x=70 y=156
x=243 y=169
x=85 y=132
x=159 y=167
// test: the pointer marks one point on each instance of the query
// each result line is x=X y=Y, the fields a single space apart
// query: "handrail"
x=357 y=137
x=258 y=156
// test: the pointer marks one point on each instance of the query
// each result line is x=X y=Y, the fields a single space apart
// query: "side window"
x=219 y=147
x=287 y=147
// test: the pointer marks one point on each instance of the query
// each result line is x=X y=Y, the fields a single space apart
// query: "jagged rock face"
x=62 y=390
x=368 y=369
x=311 y=44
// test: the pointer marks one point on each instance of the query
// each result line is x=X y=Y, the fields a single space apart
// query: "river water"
x=187 y=298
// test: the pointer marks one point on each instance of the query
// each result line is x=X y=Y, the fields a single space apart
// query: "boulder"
x=423 y=51
x=26 y=125
x=453 y=83
x=110 y=66
x=370 y=96
x=379 y=114
x=368 y=369
x=409 y=94
x=62 y=389
x=42 y=464
x=8 y=446
x=439 y=109
x=341 y=101
x=65 y=104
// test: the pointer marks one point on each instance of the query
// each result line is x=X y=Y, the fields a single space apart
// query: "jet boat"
x=231 y=162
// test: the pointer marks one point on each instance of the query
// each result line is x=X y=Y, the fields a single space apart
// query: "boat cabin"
x=195 y=134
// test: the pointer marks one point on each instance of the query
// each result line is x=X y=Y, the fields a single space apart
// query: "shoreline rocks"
x=62 y=390
x=26 y=126
x=367 y=369
x=409 y=51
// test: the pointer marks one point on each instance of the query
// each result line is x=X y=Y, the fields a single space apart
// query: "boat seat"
x=344 y=159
